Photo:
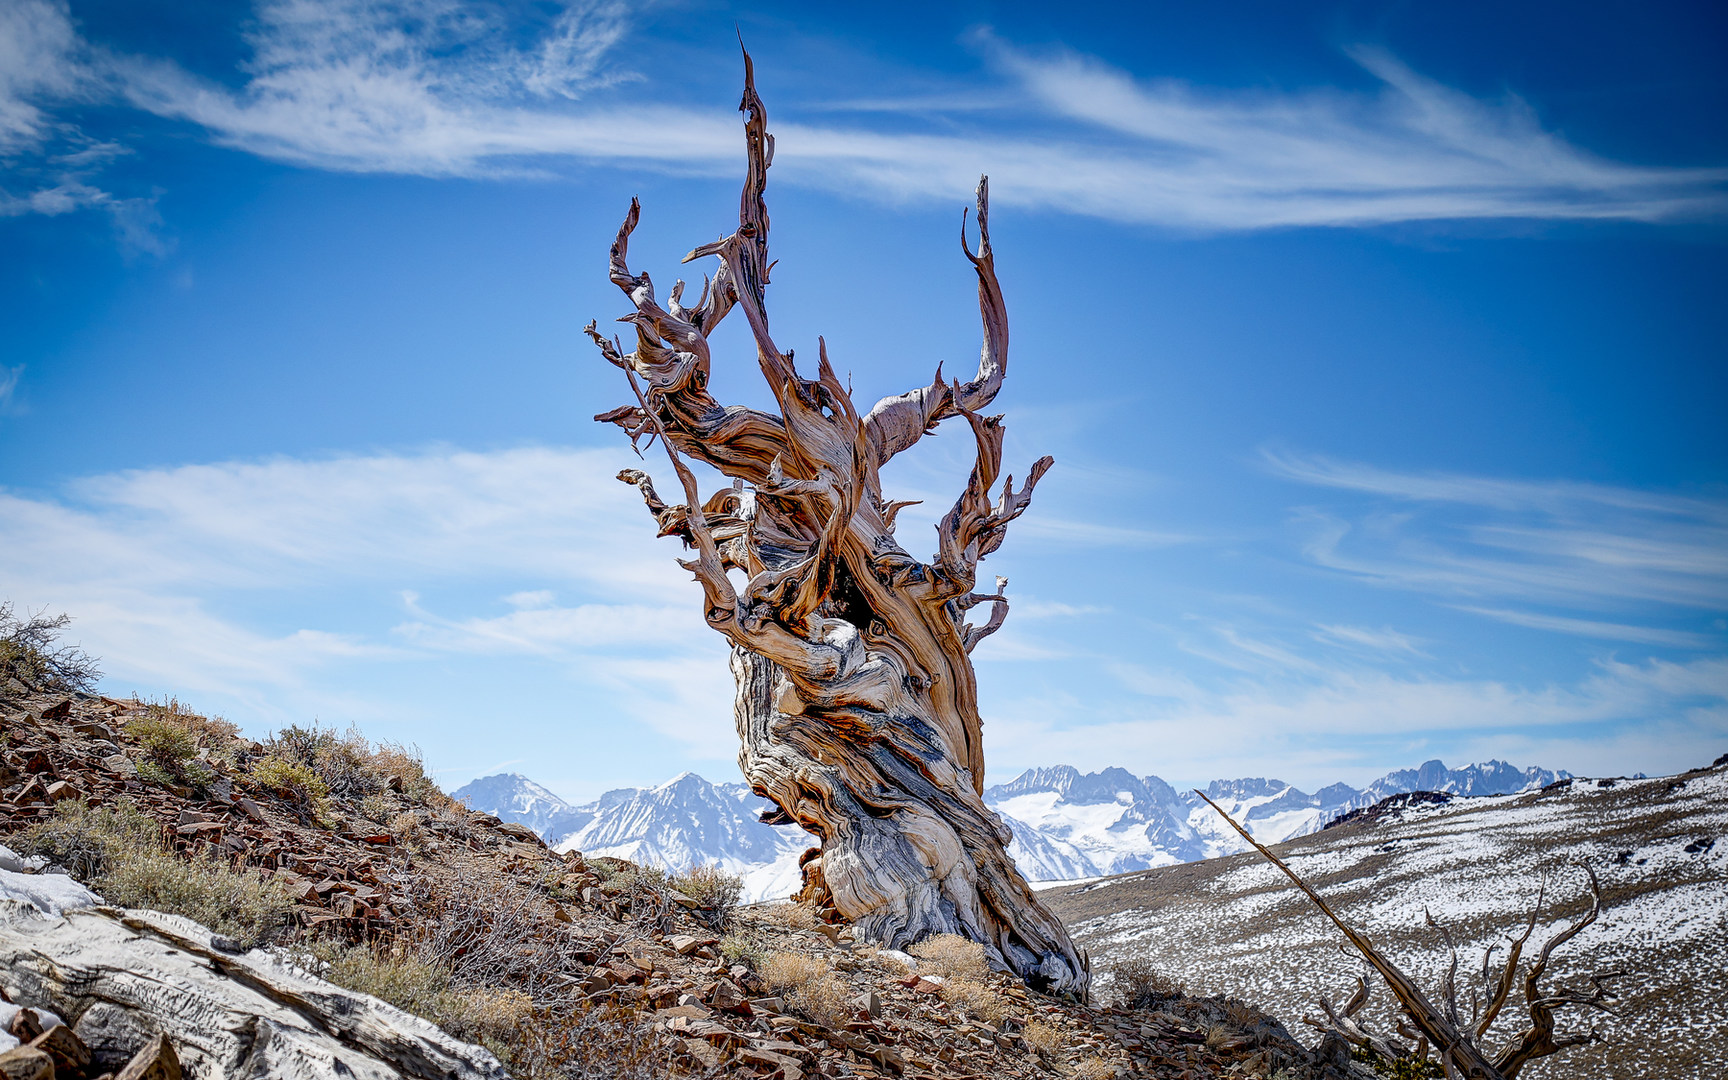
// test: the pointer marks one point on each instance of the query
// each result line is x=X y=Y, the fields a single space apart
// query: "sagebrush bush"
x=744 y=947
x=290 y=779
x=251 y=909
x=715 y=889
x=86 y=839
x=352 y=767
x=952 y=957
x=1141 y=984
x=118 y=852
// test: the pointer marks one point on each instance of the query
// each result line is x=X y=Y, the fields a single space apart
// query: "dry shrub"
x=493 y=931
x=1219 y=1034
x=978 y=999
x=1094 y=1068
x=414 y=984
x=352 y=767
x=117 y=851
x=715 y=889
x=791 y=916
x=1042 y=1038
x=1140 y=984
x=952 y=957
x=808 y=986
x=27 y=653
x=291 y=780
x=405 y=829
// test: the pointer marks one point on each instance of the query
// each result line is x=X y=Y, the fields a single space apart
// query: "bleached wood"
x=857 y=703
x=121 y=976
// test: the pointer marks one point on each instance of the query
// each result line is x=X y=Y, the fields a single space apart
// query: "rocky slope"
x=1476 y=864
x=596 y=967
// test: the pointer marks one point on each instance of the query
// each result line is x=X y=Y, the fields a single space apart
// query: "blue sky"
x=1379 y=348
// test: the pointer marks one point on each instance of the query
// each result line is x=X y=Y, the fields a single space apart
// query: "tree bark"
x=857 y=702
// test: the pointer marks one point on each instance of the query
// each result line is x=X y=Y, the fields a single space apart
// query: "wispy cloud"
x=48 y=164
x=1593 y=628
x=1580 y=546
x=1384 y=639
x=149 y=559
x=9 y=379
x=437 y=88
x=1315 y=729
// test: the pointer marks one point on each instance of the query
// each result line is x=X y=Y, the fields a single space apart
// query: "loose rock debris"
x=600 y=934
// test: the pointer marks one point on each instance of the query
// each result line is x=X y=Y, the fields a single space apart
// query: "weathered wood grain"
x=857 y=703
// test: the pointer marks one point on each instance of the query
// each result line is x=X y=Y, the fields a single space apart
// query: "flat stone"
x=65 y=1047
x=157 y=1061
x=26 y=1063
x=685 y=944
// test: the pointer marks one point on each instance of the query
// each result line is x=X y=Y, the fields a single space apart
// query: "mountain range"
x=1068 y=825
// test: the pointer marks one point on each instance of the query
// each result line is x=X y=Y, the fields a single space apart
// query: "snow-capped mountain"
x=1067 y=825
x=684 y=822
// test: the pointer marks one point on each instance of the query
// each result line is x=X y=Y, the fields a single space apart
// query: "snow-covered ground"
x=1659 y=846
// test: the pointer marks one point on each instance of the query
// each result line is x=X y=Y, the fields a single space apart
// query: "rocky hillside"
x=1476 y=864
x=317 y=865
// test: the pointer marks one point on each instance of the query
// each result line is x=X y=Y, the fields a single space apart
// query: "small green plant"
x=744 y=947
x=291 y=780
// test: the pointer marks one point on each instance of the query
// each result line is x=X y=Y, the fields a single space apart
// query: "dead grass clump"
x=978 y=999
x=1140 y=984
x=808 y=986
x=1094 y=1068
x=415 y=984
x=1042 y=1038
x=791 y=916
x=952 y=957
x=118 y=852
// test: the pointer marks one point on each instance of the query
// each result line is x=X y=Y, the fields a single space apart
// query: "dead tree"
x=856 y=700
x=1456 y=1043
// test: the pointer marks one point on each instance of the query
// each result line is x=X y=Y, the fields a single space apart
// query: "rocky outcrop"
x=122 y=978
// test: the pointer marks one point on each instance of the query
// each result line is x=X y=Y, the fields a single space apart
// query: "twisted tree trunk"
x=857 y=703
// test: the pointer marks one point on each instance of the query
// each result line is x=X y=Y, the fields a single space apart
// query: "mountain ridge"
x=1068 y=825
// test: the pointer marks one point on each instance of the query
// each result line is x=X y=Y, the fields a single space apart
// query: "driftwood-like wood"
x=123 y=977
x=1454 y=1041
x=857 y=704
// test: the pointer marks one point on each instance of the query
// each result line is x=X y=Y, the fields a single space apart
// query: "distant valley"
x=1068 y=826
